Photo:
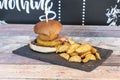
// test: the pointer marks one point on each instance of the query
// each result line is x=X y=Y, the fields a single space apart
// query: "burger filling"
x=51 y=43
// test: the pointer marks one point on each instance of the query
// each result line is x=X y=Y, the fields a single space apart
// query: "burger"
x=47 y=36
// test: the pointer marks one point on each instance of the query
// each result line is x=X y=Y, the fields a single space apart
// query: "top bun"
x=48 y=28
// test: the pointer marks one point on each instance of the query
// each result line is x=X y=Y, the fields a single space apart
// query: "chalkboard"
x=72 y=12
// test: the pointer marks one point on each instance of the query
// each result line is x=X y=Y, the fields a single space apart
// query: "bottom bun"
x=41 y=48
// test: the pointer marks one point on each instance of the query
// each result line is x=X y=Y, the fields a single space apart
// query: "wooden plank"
x=71 y=30
x=75 y=27
x=58 y=72
x=68 y=33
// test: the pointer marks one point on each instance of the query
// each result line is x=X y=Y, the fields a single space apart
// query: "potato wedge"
x=84 y=54
x=71 y=41
x=92 y=57
x=98 y=55
x=84 y=48
x=75 y=59
x=87 y=58
x=62 y=48
x=93 y=50
x=65 y=56
x=73 y=54
x=72 y=48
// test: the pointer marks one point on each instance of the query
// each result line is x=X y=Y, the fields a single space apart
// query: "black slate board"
x=56 y=59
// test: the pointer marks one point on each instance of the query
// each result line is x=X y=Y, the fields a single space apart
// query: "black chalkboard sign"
x=75 y=12
x=102 y=12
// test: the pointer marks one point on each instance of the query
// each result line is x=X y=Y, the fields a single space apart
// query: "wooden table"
x=14 y=36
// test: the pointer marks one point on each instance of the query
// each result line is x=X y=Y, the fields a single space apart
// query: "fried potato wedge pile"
x=75 y=52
